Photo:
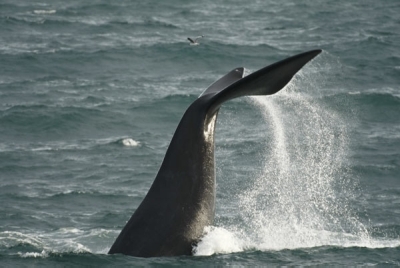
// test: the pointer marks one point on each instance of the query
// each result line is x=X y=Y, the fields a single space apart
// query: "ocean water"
x=92 y=91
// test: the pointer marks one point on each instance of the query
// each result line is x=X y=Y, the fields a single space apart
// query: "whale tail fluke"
x=266 y=81
x=181 y=200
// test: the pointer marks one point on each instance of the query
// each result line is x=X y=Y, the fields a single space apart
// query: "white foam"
x=11 y=238
x=66 y=145
x=70 y=231
x=130 y=142
x=41 y=12
x=79 y=248
x=218 y=240
x=44 y=148
x=42 y=254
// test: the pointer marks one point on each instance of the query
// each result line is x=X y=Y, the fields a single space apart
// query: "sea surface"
x=92 y=91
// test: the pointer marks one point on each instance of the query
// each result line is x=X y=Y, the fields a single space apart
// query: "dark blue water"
x=91 y=93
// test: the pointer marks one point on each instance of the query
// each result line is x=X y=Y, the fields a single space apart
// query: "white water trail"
x=301 y=199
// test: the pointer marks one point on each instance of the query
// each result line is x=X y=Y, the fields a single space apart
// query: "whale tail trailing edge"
x=266 y=81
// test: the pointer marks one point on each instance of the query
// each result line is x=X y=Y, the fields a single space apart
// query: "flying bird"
x=194 y=42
